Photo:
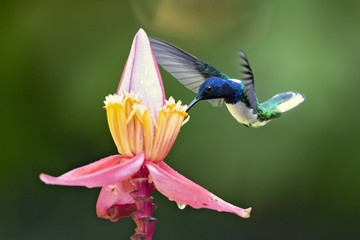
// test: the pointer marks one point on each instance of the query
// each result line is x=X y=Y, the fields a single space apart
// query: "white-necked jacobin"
x=211 y=84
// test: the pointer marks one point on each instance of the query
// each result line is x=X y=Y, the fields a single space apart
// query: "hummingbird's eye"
x=208 y=88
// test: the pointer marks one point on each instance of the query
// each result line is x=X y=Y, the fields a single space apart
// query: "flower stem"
x=145 y=223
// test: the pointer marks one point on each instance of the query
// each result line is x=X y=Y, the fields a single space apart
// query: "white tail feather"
x=292 y=102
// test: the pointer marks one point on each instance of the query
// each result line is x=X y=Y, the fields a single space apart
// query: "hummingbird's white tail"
x=283 y=102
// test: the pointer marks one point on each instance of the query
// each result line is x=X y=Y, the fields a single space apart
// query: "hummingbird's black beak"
x=192 y=103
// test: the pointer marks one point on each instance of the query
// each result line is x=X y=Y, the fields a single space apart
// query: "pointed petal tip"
x=246 y=213
x=142 y=33
x=41 y=176
x=47 y=178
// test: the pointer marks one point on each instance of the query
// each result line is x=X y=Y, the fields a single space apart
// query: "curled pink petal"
x=180 y=189
x=104 y=172
x=141 y=74
x=115 y=202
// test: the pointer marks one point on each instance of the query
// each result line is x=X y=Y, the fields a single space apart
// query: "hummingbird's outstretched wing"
x=186 y=68
x=248 y=80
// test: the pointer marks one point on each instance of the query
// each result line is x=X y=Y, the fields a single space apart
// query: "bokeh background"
x=300 y=173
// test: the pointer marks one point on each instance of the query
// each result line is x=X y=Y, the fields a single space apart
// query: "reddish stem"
x=145 y=223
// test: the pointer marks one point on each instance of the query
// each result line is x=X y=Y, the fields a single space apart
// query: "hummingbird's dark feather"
x=186 y=68
x=248 y=80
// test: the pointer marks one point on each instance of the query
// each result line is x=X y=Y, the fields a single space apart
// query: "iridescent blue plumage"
x=211 y=84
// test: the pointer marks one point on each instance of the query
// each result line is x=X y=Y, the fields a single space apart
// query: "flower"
x=144 y=127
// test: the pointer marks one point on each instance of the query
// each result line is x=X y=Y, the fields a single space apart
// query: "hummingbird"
x=215 y=86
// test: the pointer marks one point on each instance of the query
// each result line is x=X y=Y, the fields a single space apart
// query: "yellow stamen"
x=148 y=134
x=186 y=120
x=130 y=122
x=135 y=130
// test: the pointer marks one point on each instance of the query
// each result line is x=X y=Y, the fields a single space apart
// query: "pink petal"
x=104 y=172
x=180 y=189
x=115 y=202
x=141 y=74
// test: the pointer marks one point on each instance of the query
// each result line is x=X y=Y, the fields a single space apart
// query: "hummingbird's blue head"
x=213 y=88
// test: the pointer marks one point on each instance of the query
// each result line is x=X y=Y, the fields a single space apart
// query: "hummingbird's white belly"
x=244 y=114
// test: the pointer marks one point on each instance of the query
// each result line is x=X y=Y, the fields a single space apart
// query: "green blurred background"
x=300 y=173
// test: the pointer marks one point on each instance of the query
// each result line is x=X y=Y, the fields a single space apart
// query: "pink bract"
x=104 y=172
x=180 y=189
x=141 y=74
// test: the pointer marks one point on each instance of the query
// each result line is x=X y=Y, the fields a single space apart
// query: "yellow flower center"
x=135 y=131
